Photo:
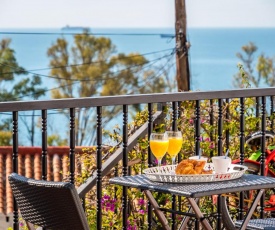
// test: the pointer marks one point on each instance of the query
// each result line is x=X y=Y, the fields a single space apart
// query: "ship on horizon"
x=68 y=27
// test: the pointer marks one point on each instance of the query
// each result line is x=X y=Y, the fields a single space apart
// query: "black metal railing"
x=176 y=99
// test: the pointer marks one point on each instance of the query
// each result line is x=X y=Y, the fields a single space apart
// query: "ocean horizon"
x=212 y=55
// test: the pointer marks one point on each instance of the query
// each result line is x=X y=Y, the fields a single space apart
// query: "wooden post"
x=183 y=72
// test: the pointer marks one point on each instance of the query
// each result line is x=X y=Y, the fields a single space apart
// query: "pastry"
x=189 y=166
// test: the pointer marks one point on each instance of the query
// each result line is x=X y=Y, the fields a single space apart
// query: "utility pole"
x=182 y=46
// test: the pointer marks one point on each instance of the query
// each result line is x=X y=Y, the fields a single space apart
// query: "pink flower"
x=108 y=203
x=106 y=197
x=141 y=201
x=141 y=211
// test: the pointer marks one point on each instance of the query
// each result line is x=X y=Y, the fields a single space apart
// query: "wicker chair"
x=53 y=205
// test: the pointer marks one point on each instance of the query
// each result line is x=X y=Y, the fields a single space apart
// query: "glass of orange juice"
x=175 y=143
x=159 y=145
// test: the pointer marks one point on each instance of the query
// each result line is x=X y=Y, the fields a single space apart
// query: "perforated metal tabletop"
x=246 y=182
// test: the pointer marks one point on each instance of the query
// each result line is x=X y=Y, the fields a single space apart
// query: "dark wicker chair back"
x=53 y=205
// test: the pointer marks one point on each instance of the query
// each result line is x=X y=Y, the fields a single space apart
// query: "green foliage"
x=12 y=89
x=112 y=195
x=56 y=140
x=93 y=68
x=29 y=88
x=259 y=74
x=6 y=138
x=9 y=66
x=5 y=133
x=244 y=78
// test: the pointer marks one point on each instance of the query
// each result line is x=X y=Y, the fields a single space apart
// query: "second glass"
x=175 y=143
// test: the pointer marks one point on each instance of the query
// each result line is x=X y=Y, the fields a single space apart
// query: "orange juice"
x=159 y=148
x=174 y=146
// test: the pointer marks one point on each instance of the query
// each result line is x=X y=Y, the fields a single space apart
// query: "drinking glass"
x=175 y=143
x=159 y=145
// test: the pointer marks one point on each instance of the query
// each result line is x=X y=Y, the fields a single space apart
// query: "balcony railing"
x=216 y=100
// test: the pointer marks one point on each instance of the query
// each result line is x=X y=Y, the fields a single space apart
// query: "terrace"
x=212 y=113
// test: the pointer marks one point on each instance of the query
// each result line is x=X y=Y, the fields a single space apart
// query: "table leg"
x=252 y=209
x=157 y=211
x=186 y=218
x=199 y=214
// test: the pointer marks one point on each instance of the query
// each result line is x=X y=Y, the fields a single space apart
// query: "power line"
x=95 y=34
x=87 y=63
x=153 y=76
x=156 y=75
x=80 y=80
x=104 y=79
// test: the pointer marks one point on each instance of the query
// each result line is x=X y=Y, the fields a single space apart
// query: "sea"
x=212 y=55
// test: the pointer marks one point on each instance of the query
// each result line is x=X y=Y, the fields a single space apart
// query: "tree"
x=91 y=67
x=12 y=89
x=261 y=73
x=8 y=69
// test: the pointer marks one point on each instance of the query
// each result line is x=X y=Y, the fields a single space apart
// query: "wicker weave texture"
x=53 y=205
x=258 y=224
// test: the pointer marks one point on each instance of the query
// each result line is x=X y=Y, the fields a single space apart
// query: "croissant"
x=191 y=167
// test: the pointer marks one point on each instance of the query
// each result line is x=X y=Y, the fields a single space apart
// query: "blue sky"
x=134 y=13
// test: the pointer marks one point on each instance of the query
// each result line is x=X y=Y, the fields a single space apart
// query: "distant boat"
x=67 y=27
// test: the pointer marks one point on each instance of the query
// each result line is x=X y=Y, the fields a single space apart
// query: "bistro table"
x=196 y=190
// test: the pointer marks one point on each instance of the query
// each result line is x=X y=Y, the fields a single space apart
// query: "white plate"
x=167 y=174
